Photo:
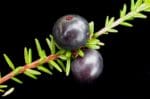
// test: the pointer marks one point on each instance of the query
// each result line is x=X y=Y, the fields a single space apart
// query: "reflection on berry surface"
x=71 y=31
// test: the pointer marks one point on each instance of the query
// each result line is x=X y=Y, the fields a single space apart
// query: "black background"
x=126 y=54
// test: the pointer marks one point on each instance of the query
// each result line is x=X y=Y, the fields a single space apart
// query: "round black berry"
x=89 y=67
x=71 y=31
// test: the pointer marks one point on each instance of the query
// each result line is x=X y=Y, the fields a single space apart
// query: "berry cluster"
x=71 y=32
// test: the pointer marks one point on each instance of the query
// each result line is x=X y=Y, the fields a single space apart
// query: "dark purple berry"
x=71 y=31
x=89 y=67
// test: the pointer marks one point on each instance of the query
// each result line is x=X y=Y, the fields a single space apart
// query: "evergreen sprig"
x=135 y=11
x=60 y=59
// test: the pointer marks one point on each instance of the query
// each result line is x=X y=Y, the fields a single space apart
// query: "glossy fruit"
x=71 y=31
x=89 y=67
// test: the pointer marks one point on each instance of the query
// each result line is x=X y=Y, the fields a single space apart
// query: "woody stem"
x=34 y=64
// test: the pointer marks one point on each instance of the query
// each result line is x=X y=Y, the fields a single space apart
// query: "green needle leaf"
x=81 y=53
x=3 y=86
x=57 y=46
x=55 y=65
x=101 y=43
x=30 y=56
x=34 y=72
x=61 y=64
x=30 y=75
x=91 y=28
x=43 y=53
x=132 y=5
x=8 y=92
x=68 y=67
x=1 y=90
x=61 y=51
x=126 y=24
x=39 y=49
x=93 y=41
x=110 y=21
x=107 y=20
x=92 y=46
x=52 y=46
x=63 y=57
x=139 y=15
x=17 y=70
x=113 y=30
x=49 y=44
x=138 y=3
x=26 y=55
x=9 y=62
x=123 y=12
x=17 y=80
x=68 y=54
x=44 y=69
x=38 y=45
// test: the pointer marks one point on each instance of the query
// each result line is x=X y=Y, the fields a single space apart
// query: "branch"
x=66 y=56
x=34 y=64
x=136 y=10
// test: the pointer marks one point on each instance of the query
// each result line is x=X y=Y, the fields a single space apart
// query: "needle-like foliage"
x=60 y=59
